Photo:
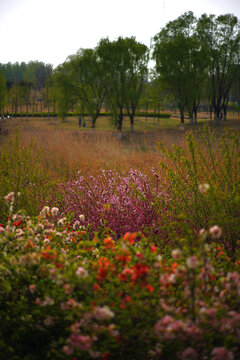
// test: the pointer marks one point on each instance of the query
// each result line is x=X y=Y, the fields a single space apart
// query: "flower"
x=221 y=353
x=103 y=313
x=81 y=272
x=45 y=210
x=203 y=188
x=81 y=217
x=54 y=211
x=9 y=198
x=31 y=288
x=192 y=262
x=189 y=354
x=215 y=232
x=176 y=254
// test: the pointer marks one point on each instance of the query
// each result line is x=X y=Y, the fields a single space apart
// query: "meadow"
x=120 y=248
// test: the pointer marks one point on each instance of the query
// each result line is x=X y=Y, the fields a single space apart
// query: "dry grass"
x=67 y=148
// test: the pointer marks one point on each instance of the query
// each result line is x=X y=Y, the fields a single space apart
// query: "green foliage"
x=206 y=164
x=20 y=172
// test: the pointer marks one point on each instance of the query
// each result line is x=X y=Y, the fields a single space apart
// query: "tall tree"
x=126 y=62
x=221 y=38
x=180 y=61
x=89 y=81
x=3 y=92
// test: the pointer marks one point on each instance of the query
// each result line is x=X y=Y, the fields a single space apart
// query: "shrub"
x=122 y=202
x=67 y=295
x=204 y=184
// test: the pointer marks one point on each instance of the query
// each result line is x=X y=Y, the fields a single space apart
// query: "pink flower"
x=31 y=288
x=215 y=232
x=81 y=272
x=9 y=198
x=221 y=353
x=189 y=354
x=67 y=350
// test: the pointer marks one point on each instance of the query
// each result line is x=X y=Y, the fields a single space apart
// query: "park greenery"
x=196 y=62
x=114 y=258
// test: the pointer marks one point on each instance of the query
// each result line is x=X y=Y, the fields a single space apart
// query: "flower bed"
x=68 y=294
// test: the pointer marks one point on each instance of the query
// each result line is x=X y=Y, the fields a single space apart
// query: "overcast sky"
x=51 y=30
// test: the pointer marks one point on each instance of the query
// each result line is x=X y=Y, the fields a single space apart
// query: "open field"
x=106 y=254
x=67 y=148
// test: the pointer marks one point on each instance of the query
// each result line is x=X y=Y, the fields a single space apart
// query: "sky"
x=51 y=30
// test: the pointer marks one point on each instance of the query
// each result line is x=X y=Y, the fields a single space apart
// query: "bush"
x=67 y=295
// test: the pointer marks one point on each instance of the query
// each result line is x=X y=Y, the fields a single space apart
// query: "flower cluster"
x=67 y=294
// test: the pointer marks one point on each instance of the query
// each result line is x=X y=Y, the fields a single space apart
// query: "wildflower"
x=81 y=217
x=54 y=211
x=103 y=313
x=48 y=321
x=76 y=225
x=67 y=350
x=45 y=210
x=192 y=262
x=9 y=198
x=176 y=254
x=189 y=354
x=221 y=353
x=1 y=228
x=31 y=288
x=215 y=232
x=203 y=188
x=203 y=233
x=81 y=272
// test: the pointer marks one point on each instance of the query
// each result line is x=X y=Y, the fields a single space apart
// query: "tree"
x=220 y=36
x=89 y=81
x=63 y=88
x=126 y=62
x=180 y=61
x=3 y=92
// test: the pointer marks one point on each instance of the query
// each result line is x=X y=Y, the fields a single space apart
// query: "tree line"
x=196 y=60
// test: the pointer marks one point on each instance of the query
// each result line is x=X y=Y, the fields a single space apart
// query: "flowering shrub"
x=122 y=202
x=66 y=294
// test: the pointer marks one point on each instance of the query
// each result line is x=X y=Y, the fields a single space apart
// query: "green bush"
x=204 y=184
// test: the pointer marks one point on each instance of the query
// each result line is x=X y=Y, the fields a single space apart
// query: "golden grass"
x=67 y=148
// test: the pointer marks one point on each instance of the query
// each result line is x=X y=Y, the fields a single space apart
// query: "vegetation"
x=122 y=247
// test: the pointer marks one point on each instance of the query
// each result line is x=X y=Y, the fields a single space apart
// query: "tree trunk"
x=120 y=120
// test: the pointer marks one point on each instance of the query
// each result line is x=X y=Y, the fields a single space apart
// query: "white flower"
x=103 y=313
x=54 y=211
x=192 y=262
x=176 y=254
x=215 y=232
x=203 y=188
x=45 y=210
x=82 y=217
x=203 y=233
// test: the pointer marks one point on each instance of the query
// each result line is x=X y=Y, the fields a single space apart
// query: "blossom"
x=215 y=232
x=81 y=217
x=221 y=353
x=45 y=210
x=31 y=288
x=189 y=354
x=203 y=188
x=192 y=262
x=103 y=313
x=9 y=198
x=81 y=272
x=54 y=211
x=176 y=254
